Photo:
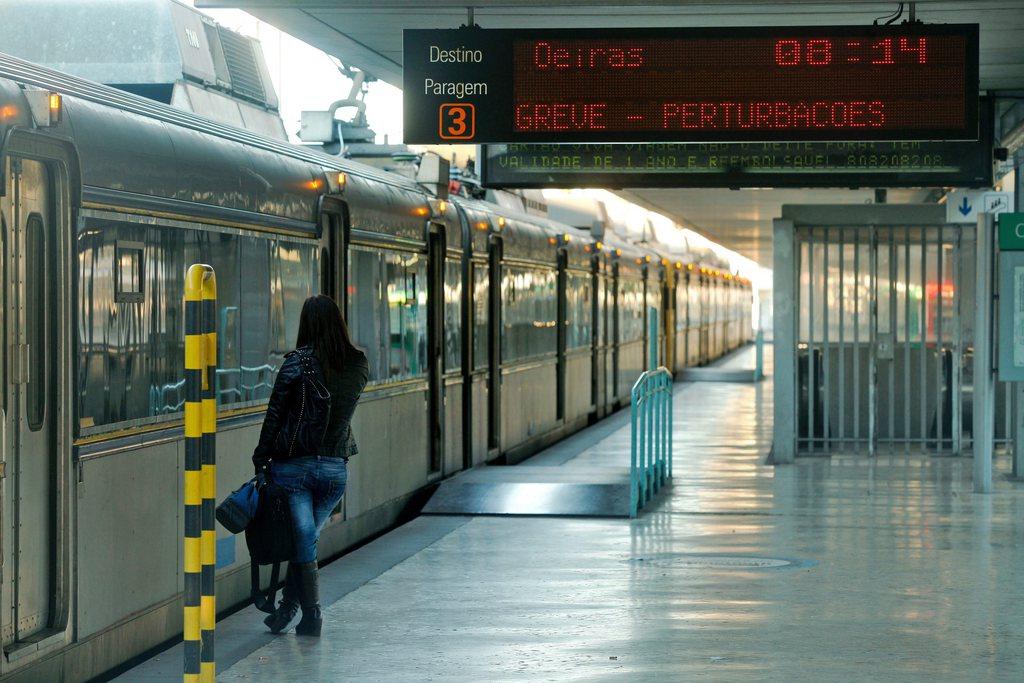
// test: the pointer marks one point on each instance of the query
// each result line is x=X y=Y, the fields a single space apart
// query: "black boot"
x=309 y=597
x=289 y=605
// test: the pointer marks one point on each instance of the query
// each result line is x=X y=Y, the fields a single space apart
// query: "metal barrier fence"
x=200 y=551
x=650 y=461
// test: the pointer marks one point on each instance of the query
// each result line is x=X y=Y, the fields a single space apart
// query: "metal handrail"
x=650 y=460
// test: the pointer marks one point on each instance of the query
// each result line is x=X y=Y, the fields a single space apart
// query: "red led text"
x=827 y=51
x=547 y=56
x=560 y=116
x=772 y=115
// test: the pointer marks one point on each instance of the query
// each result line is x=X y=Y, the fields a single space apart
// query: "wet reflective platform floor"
x=836 y=569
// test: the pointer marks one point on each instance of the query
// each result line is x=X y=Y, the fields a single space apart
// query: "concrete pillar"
x=784 y=331
x=984 y=380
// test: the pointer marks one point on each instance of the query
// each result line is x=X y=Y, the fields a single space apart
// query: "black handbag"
x=236 y=511
x=270 y=538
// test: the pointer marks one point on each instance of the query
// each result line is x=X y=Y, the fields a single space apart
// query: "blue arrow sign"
x=964 y=208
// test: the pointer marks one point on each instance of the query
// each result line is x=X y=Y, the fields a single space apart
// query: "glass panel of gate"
x=892 y=296
x=833 y=348
x=824 y=371
x=940 y=329
x=933 y=329
x=805 y=350
x=802 y=284
x=915 y=334
x=902 y=336
x=950 y=332
x=847 y=334
x=862 y=338
x=883 y=328
x=816 y=422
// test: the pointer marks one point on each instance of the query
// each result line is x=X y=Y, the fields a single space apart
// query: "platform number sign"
x=456 y=121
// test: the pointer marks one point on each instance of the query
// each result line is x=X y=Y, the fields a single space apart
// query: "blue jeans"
x=314 y=484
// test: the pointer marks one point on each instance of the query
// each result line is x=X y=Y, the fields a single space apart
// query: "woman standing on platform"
x=312 y=470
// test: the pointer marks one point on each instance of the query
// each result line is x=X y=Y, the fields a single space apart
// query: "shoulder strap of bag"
x=264 y=600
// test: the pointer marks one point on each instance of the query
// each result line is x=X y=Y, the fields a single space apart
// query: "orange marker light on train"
x=421 y=211
x=552 y=241
x=56 y=107
x=664 y=261
x=618 y=252
x=482 y=225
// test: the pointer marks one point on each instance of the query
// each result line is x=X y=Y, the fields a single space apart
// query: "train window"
x=680 y=303
x=130 y=364
x=579 y=314
x=258 y=346
x=529 y=312
x=36 y=278
x=452 y=314
x=481 y=289
x=388 y=311
x=631 y=310
x=128 y=273
x=294 y=276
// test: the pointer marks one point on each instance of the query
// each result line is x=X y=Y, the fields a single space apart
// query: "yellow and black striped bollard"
x=200 y=472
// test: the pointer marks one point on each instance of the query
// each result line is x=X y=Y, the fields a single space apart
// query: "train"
x=490 y=332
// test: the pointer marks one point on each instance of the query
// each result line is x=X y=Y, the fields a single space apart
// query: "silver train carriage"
x=489 y=334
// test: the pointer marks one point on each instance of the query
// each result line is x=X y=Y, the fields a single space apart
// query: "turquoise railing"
x=650 y=460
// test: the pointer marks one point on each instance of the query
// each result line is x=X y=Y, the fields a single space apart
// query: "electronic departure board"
x=906 y=82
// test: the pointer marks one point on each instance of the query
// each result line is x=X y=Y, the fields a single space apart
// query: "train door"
x=334 y=267
x=645 y=364
x=597 y=366
x=615 y=331
x=560 y=340
x=334 y=257
x=435 y=344
x=703 y=343
x=684 y=284
x=678 y=328
x=494 y=349
x=32 y=471
x=668 y=318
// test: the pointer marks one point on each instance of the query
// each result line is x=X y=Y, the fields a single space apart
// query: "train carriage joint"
x=594 y=340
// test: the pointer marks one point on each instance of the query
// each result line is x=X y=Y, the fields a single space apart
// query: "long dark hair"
x=322 y=328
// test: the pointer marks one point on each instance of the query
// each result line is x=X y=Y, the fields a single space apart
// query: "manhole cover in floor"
x=711 y=562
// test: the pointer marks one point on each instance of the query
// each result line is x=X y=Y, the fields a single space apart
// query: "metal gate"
x=877 y=329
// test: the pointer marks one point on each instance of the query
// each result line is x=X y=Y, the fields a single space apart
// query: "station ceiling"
x=368 y=34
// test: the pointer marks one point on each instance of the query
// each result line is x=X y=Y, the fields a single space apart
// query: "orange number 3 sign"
x=457 y=121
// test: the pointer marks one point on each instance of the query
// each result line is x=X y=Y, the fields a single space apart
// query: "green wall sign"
x=1011 y=232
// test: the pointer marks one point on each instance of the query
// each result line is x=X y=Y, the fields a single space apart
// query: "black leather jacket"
x=345 y=388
